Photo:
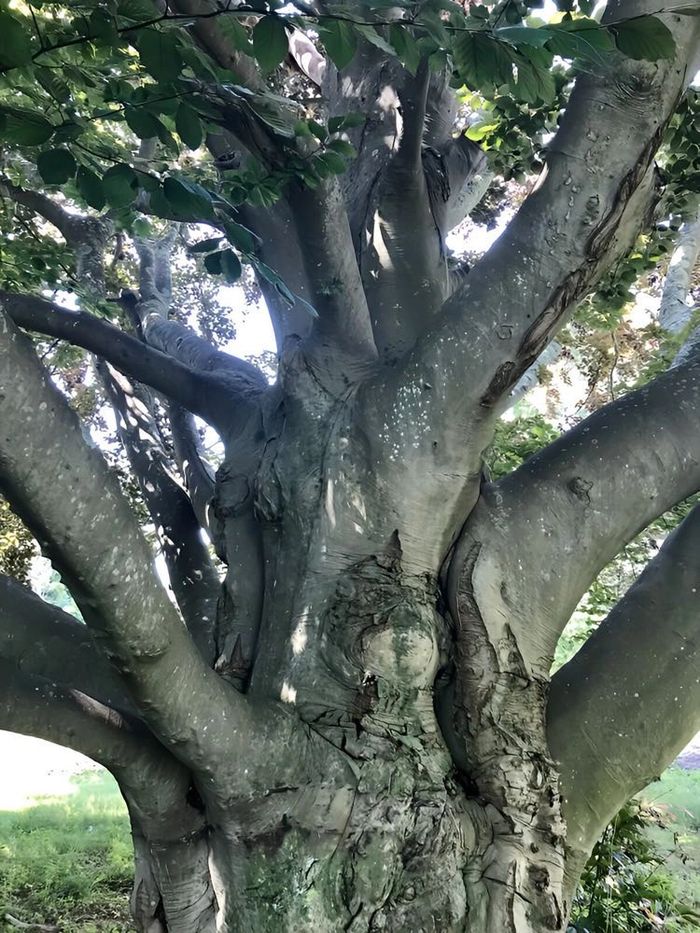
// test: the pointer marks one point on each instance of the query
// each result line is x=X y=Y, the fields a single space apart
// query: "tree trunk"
x=382 y=831
x=363 y=738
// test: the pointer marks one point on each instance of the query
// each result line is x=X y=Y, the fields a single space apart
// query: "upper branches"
x=332 y=272
x=587 y=209
x=85 y=235
x=410 y=211
x=207 y=394
x=192 y=576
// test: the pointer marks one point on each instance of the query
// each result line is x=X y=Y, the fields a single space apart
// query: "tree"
x=358 y=729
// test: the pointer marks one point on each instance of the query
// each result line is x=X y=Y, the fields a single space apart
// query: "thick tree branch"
x=198 y=474
x=629 y=700
x=589 y=205
x=405 y=267
x=545 y=531
x=60 y=487
x=42 y=640
x=192 y=575
x=208 y=395
x=280 y=250
x=31 y=705
x=178 y=341
x=674 y=311
x=337 y=293
x=213 y=40
x=402 y=266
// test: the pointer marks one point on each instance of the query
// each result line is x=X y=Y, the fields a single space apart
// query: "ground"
x=65 y=849
x=65 y=854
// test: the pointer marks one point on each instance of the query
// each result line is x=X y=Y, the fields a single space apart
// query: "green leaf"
x=339 y=40
x=331 y=161
x=25 y=127
x=482 y=62
x=479 y=131
x=581 y=38
x=188 y=126
x=270 y=42
x=90 y=188
x=212 y=263
x=301 y=128
x=644 y=37
x=206 y=246
x=278 y=118
x=343 y=147
x=240 y=237
x=373 y=37
x=230 y=266
x=15 y=45
x=159 y=53
x=189 y=200
x=143 y=123
x=534 y=82
x=236 y=32
x=137 y=11
x=346 y=122
x=56 y=166
x=523 y=35
x=120 y=185
x=52 y=83
x=274 y=279
x=406 y=47
x=319 y=130
x=102 y=26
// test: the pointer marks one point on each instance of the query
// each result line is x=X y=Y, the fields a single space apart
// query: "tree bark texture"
x=356 y=729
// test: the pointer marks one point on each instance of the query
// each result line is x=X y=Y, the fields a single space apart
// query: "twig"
x=32 y=927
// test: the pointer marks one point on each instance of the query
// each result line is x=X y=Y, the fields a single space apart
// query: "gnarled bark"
x=374 y=749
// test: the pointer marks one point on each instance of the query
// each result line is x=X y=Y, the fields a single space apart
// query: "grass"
x=68 y=860
x=675 y=802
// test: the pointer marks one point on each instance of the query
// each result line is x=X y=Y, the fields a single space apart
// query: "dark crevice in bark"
x=579 y=282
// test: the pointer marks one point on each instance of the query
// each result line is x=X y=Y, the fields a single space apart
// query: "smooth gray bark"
x=333 y=792
x=629 y=700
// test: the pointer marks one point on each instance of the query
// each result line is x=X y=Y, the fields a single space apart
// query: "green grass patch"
x=68 y=860
x=675 y=833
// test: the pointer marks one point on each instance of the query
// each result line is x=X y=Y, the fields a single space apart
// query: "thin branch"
x=626 y=704
x=192 y=576
x=674 y=310
x=208 y=395
x=214 y=41
x=85 y=235
x=45 y=641
x=181 y=343
x=198 y=474
x=175 y=339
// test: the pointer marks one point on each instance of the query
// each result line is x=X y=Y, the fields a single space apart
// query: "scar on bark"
x=580 y=488
x=576 y=284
